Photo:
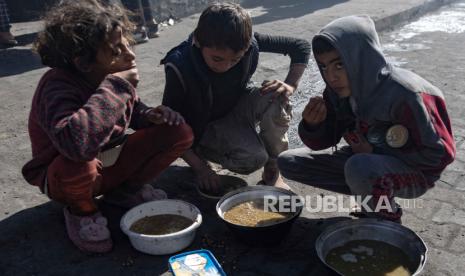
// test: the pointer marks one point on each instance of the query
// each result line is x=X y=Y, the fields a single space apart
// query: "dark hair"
x=224 y=25
x=78 y=29
x=321 y=45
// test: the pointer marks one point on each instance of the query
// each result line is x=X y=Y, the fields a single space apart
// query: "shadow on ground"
x=18 y=60
x=26 y=39
x=279 y=9
x=34 y=242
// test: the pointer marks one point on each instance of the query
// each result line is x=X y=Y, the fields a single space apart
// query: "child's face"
x=221 y=60
x=116 y=56
x=334 y=72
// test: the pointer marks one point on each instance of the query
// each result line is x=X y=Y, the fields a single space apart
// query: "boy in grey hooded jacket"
x=395 y=123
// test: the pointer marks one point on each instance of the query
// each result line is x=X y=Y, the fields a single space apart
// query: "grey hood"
x=385 y=95
x=356 y=40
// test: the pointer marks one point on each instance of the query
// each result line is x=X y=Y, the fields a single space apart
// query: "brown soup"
x=160 y=224
x=369 y=257
x=252 y=213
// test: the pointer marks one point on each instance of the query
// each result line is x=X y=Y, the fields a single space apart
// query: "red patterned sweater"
x=70 y=118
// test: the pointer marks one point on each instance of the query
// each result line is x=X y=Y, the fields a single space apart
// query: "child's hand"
x=207 y=179
x=131 y=75
x=358 y=143
x=163 y=114
x=315 y=111
x=278 y=88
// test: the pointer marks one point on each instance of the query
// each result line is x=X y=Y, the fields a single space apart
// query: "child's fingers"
x=168 y=115
x=178 y=119
x=181 y=119
x=154 y=115
x=269 y=87
x=314 y=117
x=314 y=102
x=164 y=114
x=322 y=110
x=318 y=99
x=315 y=112
x=282 y=90
x=309 y=107
x=309 y=113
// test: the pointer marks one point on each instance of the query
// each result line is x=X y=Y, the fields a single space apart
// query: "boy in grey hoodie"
x=394 y=122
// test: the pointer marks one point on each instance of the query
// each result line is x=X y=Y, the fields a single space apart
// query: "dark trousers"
x=4 y=18
x=142 y=10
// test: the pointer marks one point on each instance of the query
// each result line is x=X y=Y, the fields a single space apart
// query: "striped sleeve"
x=78 y=130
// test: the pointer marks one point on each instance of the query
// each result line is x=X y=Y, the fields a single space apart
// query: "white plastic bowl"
x=162 y=244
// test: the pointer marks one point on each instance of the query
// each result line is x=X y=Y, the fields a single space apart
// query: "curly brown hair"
x=79 y=29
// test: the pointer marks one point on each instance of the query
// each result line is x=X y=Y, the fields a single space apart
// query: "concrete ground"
x=32 y=234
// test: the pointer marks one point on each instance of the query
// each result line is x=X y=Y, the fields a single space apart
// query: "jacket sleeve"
x=77 y=130
x=174 y=94
x=325 y=135
x=298 y=49
x=431 y=144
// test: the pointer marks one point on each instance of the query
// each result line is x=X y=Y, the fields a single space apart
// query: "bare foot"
x=272 y=177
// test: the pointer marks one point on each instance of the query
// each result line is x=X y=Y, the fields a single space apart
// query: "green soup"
x=369 y=257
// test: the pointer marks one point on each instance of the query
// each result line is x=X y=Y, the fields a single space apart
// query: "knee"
x=278 y=115
x=249 y=164
x=179 y=137
x=63 y=169
x=358 y=170
x=183 y=137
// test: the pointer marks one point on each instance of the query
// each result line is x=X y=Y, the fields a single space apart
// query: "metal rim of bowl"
x=196 y=223
x=258 y=188
x=330 y=230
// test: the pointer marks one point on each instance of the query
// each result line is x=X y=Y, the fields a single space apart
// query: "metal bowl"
x=389 y=232
x=258 y=235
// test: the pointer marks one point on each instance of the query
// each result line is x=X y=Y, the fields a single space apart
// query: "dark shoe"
x=140 y=35
x=394 y=217
x=7 y=39
x=153 y=30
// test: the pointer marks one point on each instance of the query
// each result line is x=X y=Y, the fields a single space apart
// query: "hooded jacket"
x=383 y=95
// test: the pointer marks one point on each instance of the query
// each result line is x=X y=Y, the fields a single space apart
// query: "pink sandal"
x=129 y=200
x=88 y=233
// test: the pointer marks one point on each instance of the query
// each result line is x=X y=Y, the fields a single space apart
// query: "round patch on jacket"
x=397 y=136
